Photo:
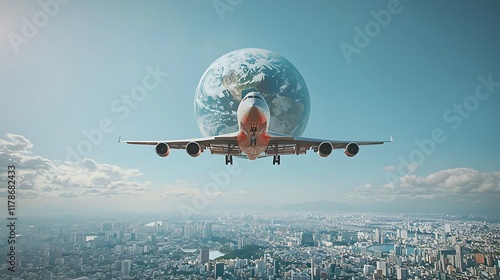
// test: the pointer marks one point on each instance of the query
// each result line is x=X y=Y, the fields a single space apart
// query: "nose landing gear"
x=253 y=139
x=229 y=160
x=276 y=160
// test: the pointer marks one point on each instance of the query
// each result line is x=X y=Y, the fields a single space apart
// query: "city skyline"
x=71 y=72
x=291 y=246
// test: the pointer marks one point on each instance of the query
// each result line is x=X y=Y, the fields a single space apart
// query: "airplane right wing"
x=223 y=144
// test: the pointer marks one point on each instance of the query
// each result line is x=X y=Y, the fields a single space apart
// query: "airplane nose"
x=254 y=113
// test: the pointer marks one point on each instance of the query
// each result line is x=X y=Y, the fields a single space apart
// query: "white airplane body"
x=254 y=139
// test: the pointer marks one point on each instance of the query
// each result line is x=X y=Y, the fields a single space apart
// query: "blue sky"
x=64 y=65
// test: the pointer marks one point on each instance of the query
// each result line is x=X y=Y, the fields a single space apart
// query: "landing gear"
x=276 y=160
x=229 y=160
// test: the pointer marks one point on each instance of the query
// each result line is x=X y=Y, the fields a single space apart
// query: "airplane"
x=254 y=140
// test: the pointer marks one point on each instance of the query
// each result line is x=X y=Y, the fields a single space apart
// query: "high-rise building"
x=307 y=239
x=209 y=267
x=126 y=267
x=398 y=250
x=459 y=256
x=117 y=265
x=402 y=273
x=118 y=249
x=106 y=226
x=313 y=265
x=338 y=271
x=187 y=230
x=260 y=266
x=447 y=228
x=441 y=275
x=120 y=234
x=381 y=265
x=152 y=239
x=277 y=267
x=489 y=260
x=241 y=242
x=219 y=269
x=418 y=252
x=443 y=236
x=299 y=276
x=207 y=230
x=368 y=269
x=204 y=255
x=378 y=237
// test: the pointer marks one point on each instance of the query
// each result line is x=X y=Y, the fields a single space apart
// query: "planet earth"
x=229 y=78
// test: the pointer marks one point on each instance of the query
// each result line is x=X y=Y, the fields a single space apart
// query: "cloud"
x=187 y=189
x=180 y=189
x=235 y=194
x=457 y=184
x=410 y=168
x=390 y=168
x=15 y=143
x=39 y=177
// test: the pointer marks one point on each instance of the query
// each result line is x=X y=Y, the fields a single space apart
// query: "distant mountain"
x=323 y=205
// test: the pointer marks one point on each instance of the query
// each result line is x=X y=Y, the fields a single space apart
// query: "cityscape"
x=258 y=245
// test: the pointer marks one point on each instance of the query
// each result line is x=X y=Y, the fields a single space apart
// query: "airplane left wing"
x=280 y=144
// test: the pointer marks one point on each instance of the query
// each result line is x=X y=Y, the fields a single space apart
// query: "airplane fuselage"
x=253 y=120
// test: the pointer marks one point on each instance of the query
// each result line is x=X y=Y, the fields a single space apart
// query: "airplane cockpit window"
x=252 y=96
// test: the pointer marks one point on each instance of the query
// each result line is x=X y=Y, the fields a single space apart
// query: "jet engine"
x=162 y=149
x=193 y=149
x=325 y=149
x=351 y=149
